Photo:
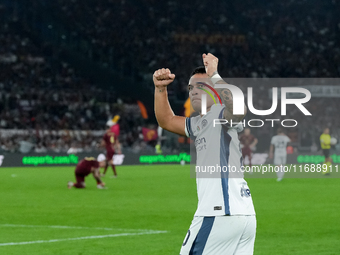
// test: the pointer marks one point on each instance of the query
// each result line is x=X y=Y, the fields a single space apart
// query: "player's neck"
x=208 y=110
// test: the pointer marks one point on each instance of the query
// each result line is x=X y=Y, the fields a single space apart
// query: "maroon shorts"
x=109 y=155
x=246 y=151
x=80 y=180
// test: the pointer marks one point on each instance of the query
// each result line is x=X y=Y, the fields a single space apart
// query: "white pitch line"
x=82 y=238
x=69 y=227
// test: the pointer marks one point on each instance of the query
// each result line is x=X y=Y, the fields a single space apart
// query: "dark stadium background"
x=71 y=65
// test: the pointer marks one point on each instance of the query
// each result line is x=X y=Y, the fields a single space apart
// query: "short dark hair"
x=200 y=69
x=280 y=130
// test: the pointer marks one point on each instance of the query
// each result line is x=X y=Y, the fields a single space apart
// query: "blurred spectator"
x=25 y=146
x=39 y=148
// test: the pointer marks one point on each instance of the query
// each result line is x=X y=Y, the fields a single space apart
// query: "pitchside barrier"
x=63 y=159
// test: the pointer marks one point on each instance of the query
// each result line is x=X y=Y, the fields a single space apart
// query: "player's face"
x=326 y=131
x=197 y=87
x=247 y=131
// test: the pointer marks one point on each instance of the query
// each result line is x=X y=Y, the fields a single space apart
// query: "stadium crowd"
x=278 y=42
x=37 y=94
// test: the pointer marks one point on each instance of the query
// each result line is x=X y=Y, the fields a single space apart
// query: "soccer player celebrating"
x=279 y=142
x=325 y=141
x=85 y=167
x=110 y=142
x=224 y=221
x=249 y=142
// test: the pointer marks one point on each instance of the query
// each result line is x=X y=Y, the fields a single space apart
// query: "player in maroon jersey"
x=248 y=142
x=110 y=142
x=85 y=167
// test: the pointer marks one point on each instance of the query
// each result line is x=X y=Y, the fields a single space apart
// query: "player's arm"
x=211 y=63
x=324 y=143
x=321 y=142
x=271 y=151
x=271 y=148
x=96 y=174
x=165 y=116
x=118 y=147
x=253 y=144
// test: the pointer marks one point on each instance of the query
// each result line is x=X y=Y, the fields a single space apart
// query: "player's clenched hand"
x=210 y=62
x=163 y=77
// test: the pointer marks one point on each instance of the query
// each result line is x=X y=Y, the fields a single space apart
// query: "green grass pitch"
x=148 y=209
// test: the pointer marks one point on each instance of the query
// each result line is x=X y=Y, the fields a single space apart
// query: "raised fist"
x=163 y=77
x=210 y=62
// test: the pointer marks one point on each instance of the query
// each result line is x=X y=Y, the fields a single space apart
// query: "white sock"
x=280 y=173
